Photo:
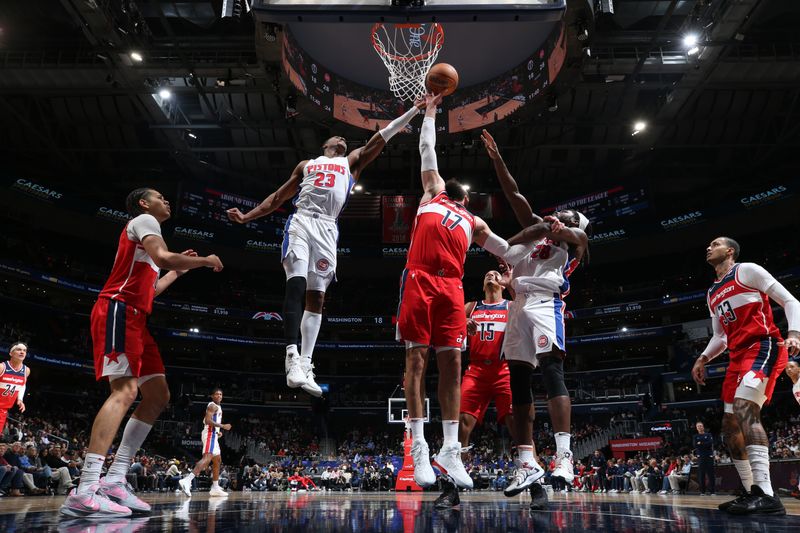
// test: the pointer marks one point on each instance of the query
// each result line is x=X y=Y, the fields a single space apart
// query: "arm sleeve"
x=718 y=341
x=500 y=247
x=756 y=276
x=21 y=393
x=397 y=125
x=142 y=226
x=427 y=144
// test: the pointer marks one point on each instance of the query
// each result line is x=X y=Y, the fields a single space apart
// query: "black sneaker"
x=740 y=495
x=539 y=500
x=758 y=503
x=449 y=498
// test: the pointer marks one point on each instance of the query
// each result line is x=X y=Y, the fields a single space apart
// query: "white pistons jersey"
x=216 y=417
x=546 y=269
x=325 y=186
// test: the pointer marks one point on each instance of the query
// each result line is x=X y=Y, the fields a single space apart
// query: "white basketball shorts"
x=210 y=441
x=535 y=326
x=309 y=249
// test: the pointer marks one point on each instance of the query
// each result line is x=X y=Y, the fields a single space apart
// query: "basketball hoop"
x=408 y=51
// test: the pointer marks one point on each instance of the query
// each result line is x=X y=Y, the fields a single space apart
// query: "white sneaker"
x=448 y=461
x=310 y=386
x=564 y=468
x=295 y=377
x=423 y=473
x=186 y=486
x=525 y=476
x=217 y=492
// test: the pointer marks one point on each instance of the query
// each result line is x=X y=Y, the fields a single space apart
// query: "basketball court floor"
x=405 y=513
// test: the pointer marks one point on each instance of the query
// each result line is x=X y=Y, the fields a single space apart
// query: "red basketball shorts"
x=482 y=384
x=431 y=311
x=752 y=373
x=122 y=345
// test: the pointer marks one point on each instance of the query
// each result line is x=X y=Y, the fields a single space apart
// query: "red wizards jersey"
x=11 y=381
x=744 y=312
x=486 y=344
x=441 y=236
x=134 y=275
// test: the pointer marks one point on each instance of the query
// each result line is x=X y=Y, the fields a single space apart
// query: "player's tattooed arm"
x=520 y=205
x=273 y=201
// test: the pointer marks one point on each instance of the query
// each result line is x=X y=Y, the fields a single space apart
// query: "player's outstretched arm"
x=169 y=278
x=520 y=205
x=432 y=182
x=756 y=276
x=361 y=157
x=273 y=201
x=157 y=249
x=513 y=254
x=574 y=236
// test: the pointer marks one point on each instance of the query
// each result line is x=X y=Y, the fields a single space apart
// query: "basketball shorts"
x=431 y=310
x=122 y=345
x=309 y=249
x=482 y=384
x=752 y=373
x=535 y=326
x=210 y=441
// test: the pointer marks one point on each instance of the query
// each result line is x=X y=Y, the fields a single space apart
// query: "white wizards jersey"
x=325 y=186
x=546 y=269
x=216 y=417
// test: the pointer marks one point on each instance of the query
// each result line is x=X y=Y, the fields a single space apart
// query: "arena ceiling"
x=75 y=106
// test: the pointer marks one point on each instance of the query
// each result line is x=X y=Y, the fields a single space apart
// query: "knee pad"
x=521 y=392
x=553 y=376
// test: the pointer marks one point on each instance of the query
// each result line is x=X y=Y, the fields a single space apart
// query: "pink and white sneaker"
x=92 y=504
x=121 y=492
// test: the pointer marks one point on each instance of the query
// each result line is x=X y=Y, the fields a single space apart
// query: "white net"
x=408 y=51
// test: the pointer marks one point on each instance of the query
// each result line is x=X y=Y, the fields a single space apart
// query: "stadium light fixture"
x=359 y=188
x=165 y=94
x=690 y=40
x=624 y=329
x=137 y=57
x=639 y=126
x=466 y=187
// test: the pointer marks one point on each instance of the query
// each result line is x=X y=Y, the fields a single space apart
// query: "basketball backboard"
x=397 y=411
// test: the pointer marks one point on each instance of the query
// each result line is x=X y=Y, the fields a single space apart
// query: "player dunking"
x=431 y=310
x=535 y=333
x=127 y=356
x=212 y=430
x=487 y=376
x=739 y=303
x=321 y=187
x=13 y=380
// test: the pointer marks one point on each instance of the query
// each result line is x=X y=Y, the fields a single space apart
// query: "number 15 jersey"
x=441 y=236
x=487 y=343
x=325 y=186
x=740 y=304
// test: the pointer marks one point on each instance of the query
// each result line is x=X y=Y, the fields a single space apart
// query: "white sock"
x=189 y=476
x=133 y=437
x=759 y=464
x=745 y=472
x=450 y=430
x=215 y=484
x=417 y=433
x=309 y=329
x=92 y=464
x=526 y=455
x=562 y=442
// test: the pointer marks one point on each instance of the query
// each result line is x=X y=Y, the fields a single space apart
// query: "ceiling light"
x=165 y=94
x=690 y=40
x=136 y=56
x=466 y=187
x=639 y=126
x=692 y=51
x=624 y=329
x=359 y=188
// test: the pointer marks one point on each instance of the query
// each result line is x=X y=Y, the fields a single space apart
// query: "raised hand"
x=234 y=215
x=490 y=144
x=556 y=225
x=433 y=100
x=214 y=263
x=420 y=103
x=506 y=273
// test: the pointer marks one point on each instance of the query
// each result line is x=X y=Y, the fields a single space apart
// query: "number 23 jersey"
x=325 y=186
x=738 y=300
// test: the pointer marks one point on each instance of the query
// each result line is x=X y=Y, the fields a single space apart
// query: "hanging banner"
x=398 y=214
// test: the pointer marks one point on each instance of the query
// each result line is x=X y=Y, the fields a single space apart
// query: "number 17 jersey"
x=441 y=236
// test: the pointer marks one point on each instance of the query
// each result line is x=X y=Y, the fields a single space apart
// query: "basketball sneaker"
x=741 y=494
x=449 y=497
x=92 y=504
x=525 y=475
x=757 y=503
x=217 y=492
x=423 y=473
x=448 y=460
x=539 y=499
x=295 y=377
x=122 y=493
x=310 y=385
x=564 y=468
x=186 y=486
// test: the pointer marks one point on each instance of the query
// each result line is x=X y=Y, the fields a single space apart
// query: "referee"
x=704 y=451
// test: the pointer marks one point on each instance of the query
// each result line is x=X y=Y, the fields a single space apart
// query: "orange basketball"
x=442 y=78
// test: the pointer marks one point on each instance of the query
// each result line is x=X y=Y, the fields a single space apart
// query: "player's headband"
x=583 y=222
x=17 y=345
